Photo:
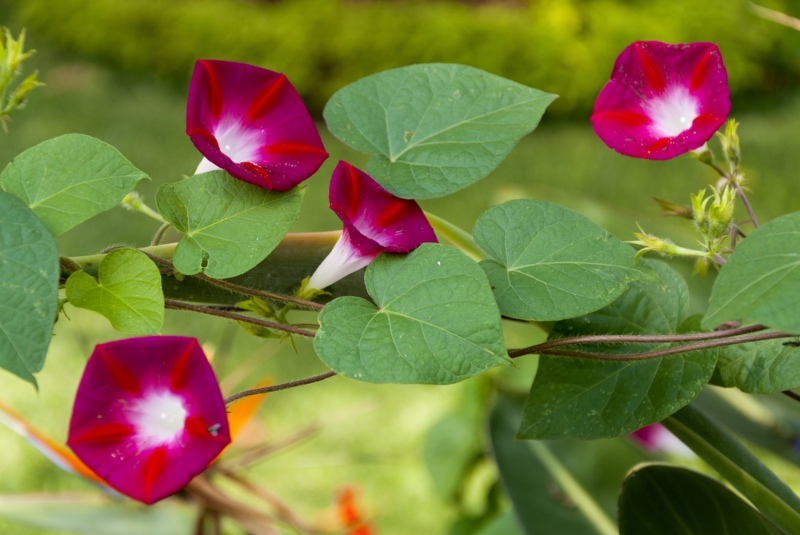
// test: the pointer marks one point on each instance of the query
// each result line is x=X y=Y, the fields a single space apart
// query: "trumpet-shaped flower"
x=148 y=415
x=657 y=438
x=375 y=221
x=662 y=100
x=252 y=123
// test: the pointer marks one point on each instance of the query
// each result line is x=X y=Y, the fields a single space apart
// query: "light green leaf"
x=229 y=225
x=588 y=398
x=128 y=292
x=760 y=283
x=435 y=322
x=659 y=499
x=435 y=128
x=28 y=288
x=550 y=263
x=763 y=367
x=92 y=514
x=69 y=179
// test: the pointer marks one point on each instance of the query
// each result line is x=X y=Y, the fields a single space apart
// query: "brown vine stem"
x=635 y=339
x=243 y=290
x=281 y=386
x=668 y=351
x=179 y=305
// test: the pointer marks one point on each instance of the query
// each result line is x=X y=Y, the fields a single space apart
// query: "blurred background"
x=119 y=71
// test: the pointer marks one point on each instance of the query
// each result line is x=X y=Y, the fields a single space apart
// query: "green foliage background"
x=561 y=46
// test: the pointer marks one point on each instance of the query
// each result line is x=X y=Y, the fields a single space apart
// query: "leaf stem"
x=281 y=386
x=178 y=305
x=739 y=466
x=462 y=239
x=585 y=503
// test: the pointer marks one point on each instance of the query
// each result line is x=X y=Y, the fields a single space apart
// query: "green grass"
x=370 y=436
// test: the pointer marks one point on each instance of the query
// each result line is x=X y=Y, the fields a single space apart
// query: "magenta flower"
x=148 y=415
x=657 y=438
x=375 y=221
x=662 y=100
x=252 y=123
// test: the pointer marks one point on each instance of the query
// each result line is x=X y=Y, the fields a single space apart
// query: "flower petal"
x=374 y=220
x=252 y=123
x=662 y=100
x=148 y=415
x=657 y=438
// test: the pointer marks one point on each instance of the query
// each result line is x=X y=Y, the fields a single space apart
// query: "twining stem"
x=635 y=339
x=243 y=290
x=178 y=305
x=583 y=501
x=281 y=386
x=159 y=235
x=668 y=351
x=462 y=239
x=738 y=466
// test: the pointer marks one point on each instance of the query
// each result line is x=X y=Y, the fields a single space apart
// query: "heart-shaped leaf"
x=435 y=322
x=229 y=225
x=660 y=499
x=69 y=179
x=436 y=128
x=760 y=283
x=763 y=367
x=28 y=288
x=128 y=292
x=550 y=263
x=589 y=398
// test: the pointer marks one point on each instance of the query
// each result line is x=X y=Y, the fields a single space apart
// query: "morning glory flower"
x=148 y=415
x=375 y=221
x=252 y=123
x=656 y=438
x=662 y=100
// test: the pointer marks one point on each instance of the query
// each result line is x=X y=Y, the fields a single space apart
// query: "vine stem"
x=462 y=239
x=243 y=290
x=637 y=339
x=738 y=466
x=178 y=305
x=280 y=386
x=671 y=350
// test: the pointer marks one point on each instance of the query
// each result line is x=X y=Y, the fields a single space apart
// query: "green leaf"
x=435 y=322
x=69 y=179
x=28 y=288
x=659 y=499
x=229 y=225
x=451 y=446
x=128 y=292
x=93 y=514
x=435 y=128
x=760 y=283
x=589 y=398
x=540 y=506
x=764 y=367
x=550 y=263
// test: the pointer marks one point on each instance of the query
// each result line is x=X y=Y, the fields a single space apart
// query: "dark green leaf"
x=550 y=263
x=229 y=226
x=760 y=283
x=28 y=288
x=590 y=398
x=759 y=367
x=435 y=321
x=128 y=292
x=450 y=447
x=434 y=128
x=69 y=179
x=660 y=499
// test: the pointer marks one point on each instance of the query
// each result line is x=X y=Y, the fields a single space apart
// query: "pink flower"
x=662 y=100
x=375 y=221
x=656 y=438
x=252 y=123
x=148 y=415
